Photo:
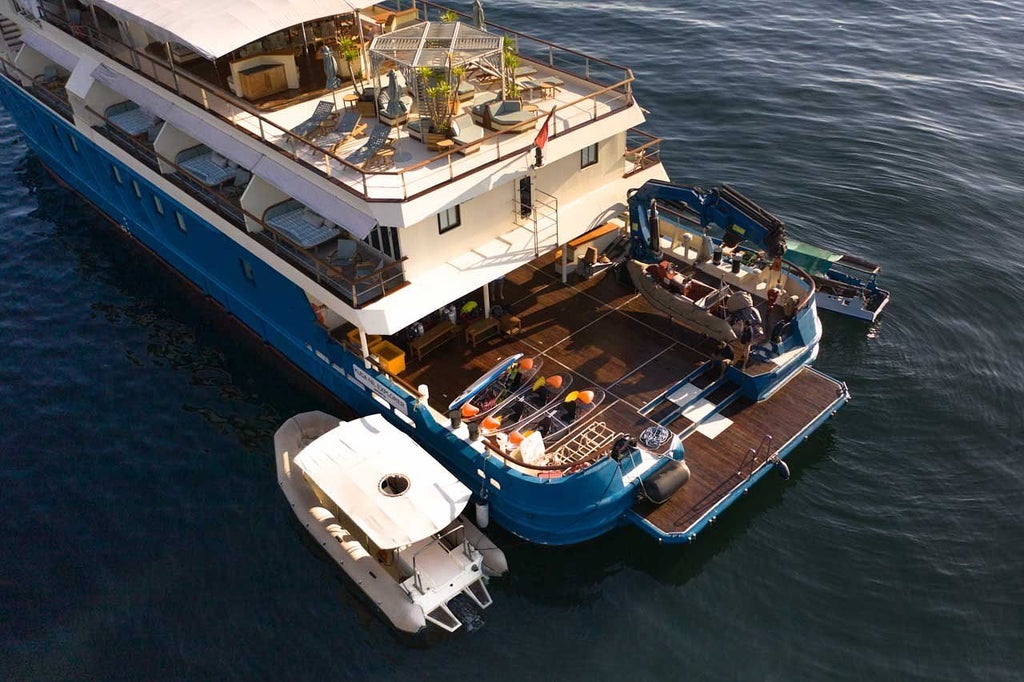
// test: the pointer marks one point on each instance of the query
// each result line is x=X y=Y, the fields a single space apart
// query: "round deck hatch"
x=394 y=485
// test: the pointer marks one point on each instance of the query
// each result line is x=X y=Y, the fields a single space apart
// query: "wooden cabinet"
x=262 y=81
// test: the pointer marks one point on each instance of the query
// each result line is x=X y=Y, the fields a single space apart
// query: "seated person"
x=722 y=358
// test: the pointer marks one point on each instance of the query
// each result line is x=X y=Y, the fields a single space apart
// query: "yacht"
x=398 y=198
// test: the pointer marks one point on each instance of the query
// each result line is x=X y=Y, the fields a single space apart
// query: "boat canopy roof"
x=813 y=260
x=213 y=29
x=362 y=466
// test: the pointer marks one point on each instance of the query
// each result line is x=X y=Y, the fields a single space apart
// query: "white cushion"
x=218 y=160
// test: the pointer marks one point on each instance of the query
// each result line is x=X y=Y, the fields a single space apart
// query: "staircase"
x=11 y=33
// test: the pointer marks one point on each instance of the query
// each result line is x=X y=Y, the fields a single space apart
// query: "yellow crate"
x=353 y=338
x=392 y=358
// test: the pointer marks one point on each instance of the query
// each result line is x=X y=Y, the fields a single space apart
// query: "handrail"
x=581 y=464
x=437 y=539
x=210 y=96
x=321 y=269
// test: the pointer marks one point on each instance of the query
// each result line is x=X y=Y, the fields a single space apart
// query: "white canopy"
x=351 y=462
x=212 y=29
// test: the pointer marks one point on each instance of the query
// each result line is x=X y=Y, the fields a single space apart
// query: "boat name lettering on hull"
x=380 y=389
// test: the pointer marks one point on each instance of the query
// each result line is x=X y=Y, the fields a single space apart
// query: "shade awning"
x=215 y=29
x=360 y=464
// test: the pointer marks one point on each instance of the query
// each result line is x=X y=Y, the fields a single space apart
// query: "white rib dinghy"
x=389 y=515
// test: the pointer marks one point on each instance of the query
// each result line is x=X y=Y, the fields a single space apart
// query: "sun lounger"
x=505 y=115
x=378 y=138
x=320 y=114
x=347 y=127
x=206 y=166
x=130 y=119
x=301 y=225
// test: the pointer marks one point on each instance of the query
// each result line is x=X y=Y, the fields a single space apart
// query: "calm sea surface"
x=143 y=535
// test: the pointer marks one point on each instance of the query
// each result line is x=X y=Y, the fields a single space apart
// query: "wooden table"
x=349 y=99
x=384 y=158
x=481 y=329
x=435 y=337
x=445 y=146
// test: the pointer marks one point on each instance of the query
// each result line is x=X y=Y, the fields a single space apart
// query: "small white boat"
x=389 y=515
x=846 y=284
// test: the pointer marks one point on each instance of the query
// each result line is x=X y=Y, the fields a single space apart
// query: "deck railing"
x=386 y=279
x=643 y=150
x=613 y=83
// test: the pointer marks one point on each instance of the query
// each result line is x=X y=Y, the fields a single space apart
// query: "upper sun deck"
x=579 y=88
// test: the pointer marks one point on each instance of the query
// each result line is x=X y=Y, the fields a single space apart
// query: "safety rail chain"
x=215 y=100
x=754 y=459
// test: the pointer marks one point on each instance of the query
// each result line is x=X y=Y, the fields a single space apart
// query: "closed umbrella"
x=478 y=15
x=330 y=68
x=394 y=107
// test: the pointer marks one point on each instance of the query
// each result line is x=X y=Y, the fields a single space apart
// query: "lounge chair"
x=347 y=127
x=346 y=253
x=129 y=118
x=301 y=225
x=320 y=114
x=505 y=115
x=466 y=134
x=378 y=139
x=206 y=166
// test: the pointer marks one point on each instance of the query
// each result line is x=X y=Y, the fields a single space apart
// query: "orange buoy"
x=515 y=438
x=555 y=381
x=469 y=410
x=490 y=423
x=526 y=363
x=586 y=397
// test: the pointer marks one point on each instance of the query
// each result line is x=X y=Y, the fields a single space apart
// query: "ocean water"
x=143 y=535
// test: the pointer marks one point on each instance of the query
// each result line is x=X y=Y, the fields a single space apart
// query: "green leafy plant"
x=510 y=62
x=448 y=16
x=348 y=49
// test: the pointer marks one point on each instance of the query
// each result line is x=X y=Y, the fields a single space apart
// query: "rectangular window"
x=158 y=205
x=181 y=221
x=448 y=219
x=247 y=271
x=117 y=174
x=138 y=190
x=588 y=156
x=73 y=141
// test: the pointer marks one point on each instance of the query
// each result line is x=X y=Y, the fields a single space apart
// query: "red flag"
x=542 y=134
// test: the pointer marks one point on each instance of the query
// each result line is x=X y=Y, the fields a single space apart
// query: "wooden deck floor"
x=608 y=336
x=597 y=329
x=717 y=465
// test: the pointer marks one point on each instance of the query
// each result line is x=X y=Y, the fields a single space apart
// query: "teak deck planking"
x=608 y=336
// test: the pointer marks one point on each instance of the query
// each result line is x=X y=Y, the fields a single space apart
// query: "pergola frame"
x=435 y=45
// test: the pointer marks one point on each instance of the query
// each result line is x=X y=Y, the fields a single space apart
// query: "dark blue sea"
x=143 y=536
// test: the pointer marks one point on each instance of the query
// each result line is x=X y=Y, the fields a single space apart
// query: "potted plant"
x=510 y=63
x=349 y=50
x=436 y=102
x=448 y=16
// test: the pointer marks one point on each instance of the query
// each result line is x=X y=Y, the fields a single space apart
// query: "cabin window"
x=384 y=238
x=158 y=205
x=448 y=219
x=73 y=141
x=588 y=156
x=247 y=272
x=181 y=221
x=137 y=189
x=117 y=174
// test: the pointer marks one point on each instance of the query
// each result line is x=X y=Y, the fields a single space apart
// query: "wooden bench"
x=481 y=329
x=432 y=339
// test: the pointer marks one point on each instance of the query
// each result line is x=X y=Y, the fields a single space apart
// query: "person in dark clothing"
x=721 y=358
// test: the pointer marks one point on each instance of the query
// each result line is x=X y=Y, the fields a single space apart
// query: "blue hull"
x=553 y=511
